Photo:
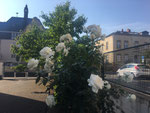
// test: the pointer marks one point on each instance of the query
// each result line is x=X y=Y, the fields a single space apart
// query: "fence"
x=134 y=67
x=8 y=71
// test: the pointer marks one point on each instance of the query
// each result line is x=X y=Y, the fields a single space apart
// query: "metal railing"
x=139 y=55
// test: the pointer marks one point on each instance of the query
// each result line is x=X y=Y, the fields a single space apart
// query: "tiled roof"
x=128 y=33
x=15 y=24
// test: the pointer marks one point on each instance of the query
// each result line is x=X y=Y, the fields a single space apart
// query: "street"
x=21 y=96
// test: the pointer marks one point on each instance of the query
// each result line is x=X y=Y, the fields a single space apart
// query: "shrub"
x=75 y=68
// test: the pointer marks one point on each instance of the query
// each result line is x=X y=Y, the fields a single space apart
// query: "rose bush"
x=74 y=68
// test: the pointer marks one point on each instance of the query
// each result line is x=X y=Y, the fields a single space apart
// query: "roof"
x=129 y=33
x=15 y=24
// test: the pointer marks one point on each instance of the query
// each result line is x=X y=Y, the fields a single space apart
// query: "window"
x=125 y=44
x=145 y=46
x=118 y=58
x=13 y=56
x=136 y=43
x=130 y=66
x=106 y=45
x=126 y=58
x=107 y=58
x=136 y=59
x=118 y=44
x=102 y=47
x=14 y=35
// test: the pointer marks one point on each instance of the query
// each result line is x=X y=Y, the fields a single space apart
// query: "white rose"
x=127 y=77
x=95 y=82
x=131 y=97
x=50 y=101
x=48 y=65
x=32 y=64
x=107 y=85
x=130 y=78
x=66 y=38
x=47 y=52
x=60 y=47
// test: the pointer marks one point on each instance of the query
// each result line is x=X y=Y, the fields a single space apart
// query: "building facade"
x=122 y=46
x=11 y=29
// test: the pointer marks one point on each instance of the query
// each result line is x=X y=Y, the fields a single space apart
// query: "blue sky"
x=111 y=15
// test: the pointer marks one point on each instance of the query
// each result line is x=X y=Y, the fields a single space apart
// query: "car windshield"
x=143 y=66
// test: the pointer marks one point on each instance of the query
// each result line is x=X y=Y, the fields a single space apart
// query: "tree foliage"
x=63 y=20
x=30 y=43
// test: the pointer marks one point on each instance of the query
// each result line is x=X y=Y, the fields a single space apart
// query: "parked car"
x=135 y=69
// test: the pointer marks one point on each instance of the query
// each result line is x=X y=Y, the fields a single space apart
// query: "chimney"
x=128 y=30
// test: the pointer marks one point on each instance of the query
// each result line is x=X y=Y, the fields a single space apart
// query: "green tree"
x=62 y=21
x=30 y=43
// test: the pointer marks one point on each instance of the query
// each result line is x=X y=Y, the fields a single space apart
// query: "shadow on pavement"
x=15 y=104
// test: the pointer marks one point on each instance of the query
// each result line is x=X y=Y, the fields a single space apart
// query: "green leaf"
x=37 y=79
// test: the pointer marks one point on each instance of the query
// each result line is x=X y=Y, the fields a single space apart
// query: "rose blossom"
x=66 y=38
x=48 y=65
x=60 y=46
x=95 y=82
x=107 y=85
x=50 y=101
x=46 y=52
x=32 y=64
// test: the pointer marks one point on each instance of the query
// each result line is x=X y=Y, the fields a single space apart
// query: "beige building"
x=11 y=29
x=5 y=52
x=124 y=46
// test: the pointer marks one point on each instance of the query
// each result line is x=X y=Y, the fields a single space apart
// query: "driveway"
x=21 y=96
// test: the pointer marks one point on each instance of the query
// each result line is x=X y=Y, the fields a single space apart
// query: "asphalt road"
x=21 y=96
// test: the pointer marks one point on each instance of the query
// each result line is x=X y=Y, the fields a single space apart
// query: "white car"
x=135 y=69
